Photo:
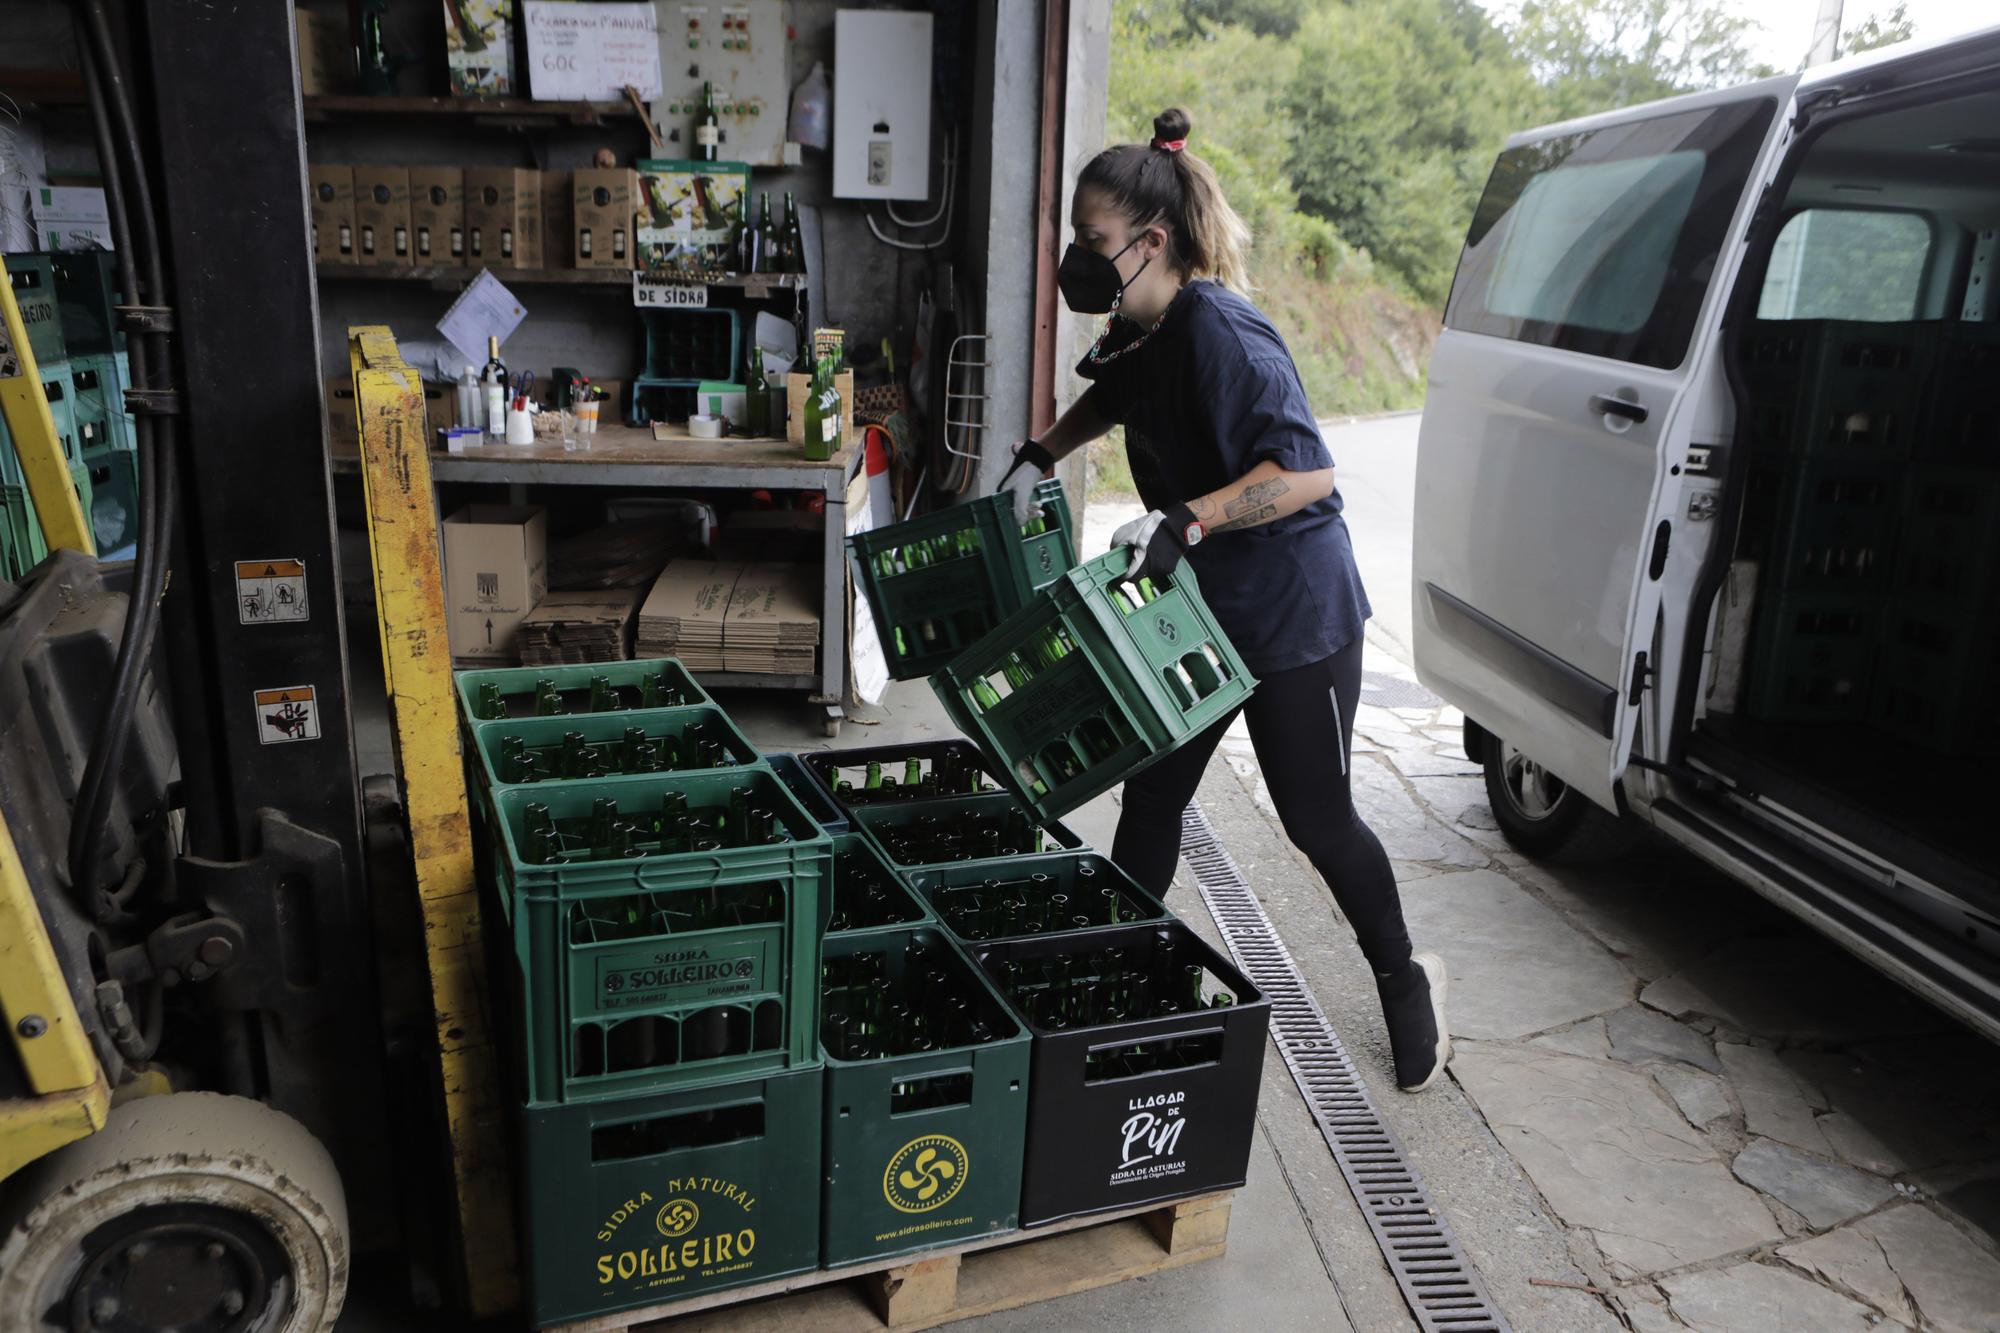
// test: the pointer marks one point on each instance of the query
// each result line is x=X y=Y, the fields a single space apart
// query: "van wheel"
x=1538 y=813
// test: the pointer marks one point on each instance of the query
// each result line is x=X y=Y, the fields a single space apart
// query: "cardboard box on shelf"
x=332 y=190
x=603 y=200
x=500 y=205
x=689 y=212
x=584 y=625
x=326 y=57
x=382 y=214
x=496 y=570
x=437 y=215
x=479 y=47
x=558 y=221
x=772 y=626
x=796 y=386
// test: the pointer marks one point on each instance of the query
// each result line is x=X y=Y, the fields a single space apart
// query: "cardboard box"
x=796 y=386
x=479 y=47
x=772 y=625
x=581 y=625
x=558 y=221
x=603 y=200
x=326 y=56
x=500 y=203
x=332 y=203
x=437 y=215
x=496 y=568
x=68 y=203
x=689 y=213
x=343 y=429
x=342 y=425
x=382 y=214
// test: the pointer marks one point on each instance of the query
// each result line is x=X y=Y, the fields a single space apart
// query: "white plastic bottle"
x=471 y=403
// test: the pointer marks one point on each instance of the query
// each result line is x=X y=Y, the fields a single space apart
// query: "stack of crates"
x=1836 y=407
x=68 y=302
x=1135 y=1030
x=936 y=585
x=683 y=348
x=1874 y=475
x=100 y=373
x=664 y=898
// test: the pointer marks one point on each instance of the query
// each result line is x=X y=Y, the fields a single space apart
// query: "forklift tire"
x=1541 y=816
x=191 y=1211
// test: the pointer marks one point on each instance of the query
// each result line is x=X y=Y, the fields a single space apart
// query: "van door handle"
x=1618 y=407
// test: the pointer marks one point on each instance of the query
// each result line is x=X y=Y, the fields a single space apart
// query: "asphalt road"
x=1375 y=466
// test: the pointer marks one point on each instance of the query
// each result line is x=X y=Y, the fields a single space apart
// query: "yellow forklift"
x=228 y=1077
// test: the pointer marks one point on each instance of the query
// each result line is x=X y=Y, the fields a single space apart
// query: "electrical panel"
x=881 y=104
x=740 y=48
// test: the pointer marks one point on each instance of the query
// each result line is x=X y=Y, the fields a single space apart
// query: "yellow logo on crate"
x=926 y=1173
x=723 y=1248
x=677 y=1218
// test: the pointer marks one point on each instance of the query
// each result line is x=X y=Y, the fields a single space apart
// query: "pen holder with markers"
x=1096 y=678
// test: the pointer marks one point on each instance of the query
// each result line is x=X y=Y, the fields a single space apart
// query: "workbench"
x=630 y=457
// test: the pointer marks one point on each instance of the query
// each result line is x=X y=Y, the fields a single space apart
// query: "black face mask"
x=1090 y=283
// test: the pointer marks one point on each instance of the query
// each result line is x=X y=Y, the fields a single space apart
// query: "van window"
x=1847 y=263
x=1604 y=241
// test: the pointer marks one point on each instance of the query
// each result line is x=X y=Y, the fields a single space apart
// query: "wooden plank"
x=409 y=600
x=995 y=1273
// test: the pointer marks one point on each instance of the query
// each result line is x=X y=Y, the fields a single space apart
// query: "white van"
x=1708 y=497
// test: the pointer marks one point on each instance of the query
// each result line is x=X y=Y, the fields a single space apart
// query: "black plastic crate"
x=1813 y=658
x=944 y=768
x=649 y=1199
x=1963 y=423
x=1132 y=1110
x=1839 y=386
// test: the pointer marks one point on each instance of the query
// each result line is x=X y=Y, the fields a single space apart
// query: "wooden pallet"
x=959 y=1282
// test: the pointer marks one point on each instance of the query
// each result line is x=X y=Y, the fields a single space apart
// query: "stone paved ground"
x=1737 y=1126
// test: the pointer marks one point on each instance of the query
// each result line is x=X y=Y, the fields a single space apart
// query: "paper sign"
x=592 y=53
x=651 y=292
x=270 y=592
x=486 y=309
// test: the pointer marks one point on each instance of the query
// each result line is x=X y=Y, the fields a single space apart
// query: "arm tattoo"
x=1254 y=495
x=1202 y=508
x=1249 y=520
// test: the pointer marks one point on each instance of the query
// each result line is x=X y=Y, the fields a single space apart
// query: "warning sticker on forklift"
x=290 y=714
x=270 y=592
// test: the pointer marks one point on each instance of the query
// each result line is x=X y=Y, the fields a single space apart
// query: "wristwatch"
x=1192 y=533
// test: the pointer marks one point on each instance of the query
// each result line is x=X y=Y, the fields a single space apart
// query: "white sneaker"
x=1440 y=982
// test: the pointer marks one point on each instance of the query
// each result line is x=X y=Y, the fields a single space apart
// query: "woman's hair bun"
x=1171 y=124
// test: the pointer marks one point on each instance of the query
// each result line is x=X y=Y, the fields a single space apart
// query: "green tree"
x=1594 y=55
x=1395 y=111
x=1884 y=28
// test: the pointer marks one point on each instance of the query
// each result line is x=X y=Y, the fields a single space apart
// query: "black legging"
x=1300 y=723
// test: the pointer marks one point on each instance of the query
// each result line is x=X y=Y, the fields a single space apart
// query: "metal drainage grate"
x=1386 y=691
x=1443 y=1288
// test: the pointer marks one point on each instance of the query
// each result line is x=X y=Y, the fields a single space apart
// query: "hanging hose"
x=143 y=277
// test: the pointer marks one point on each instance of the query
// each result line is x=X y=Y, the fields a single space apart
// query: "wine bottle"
x=708 y=127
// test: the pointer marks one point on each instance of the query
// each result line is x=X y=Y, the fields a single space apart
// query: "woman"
x=1238 y=482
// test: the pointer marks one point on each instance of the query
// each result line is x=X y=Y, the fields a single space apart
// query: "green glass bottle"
x=548 y=703
x=489 y=706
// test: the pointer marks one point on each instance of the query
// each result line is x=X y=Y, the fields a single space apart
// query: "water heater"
x=881 y=104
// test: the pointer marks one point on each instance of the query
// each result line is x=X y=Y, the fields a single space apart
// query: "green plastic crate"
x=1089 y=684
x=1841 y=524
x=858 y=868
x=33 y=279
x=517 y=685
x=1848 y=387
x=883 y=824
x=619 y=978
x=97 y=405
x=923 y=1150
x=1950 y=549
x=1813 y=658
x=21 y=544
x=651 y=1199
x=603 y=734
x=1934 y=679
x=87 y=291
x=930 y=607
x=950 y=768
x=114 y=498
x=969 y=899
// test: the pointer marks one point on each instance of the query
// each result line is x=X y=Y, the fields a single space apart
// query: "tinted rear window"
x=1604 y=241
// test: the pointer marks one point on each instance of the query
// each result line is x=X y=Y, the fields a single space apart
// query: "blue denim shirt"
x=1210 y=395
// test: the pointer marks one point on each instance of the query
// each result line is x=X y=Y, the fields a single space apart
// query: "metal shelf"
x=444 y=277
x=500 y=112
